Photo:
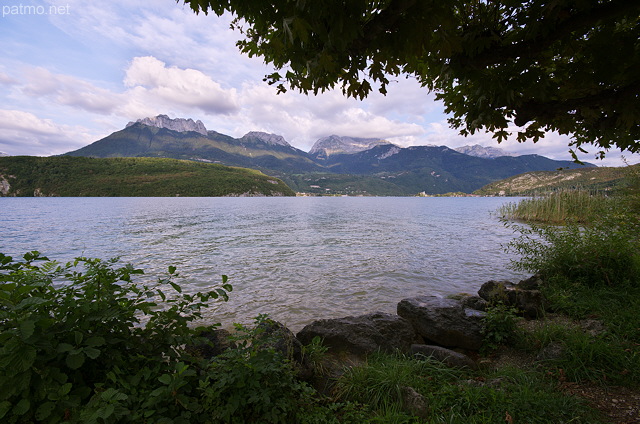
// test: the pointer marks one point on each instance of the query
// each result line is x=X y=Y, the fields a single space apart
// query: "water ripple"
x=294 y=258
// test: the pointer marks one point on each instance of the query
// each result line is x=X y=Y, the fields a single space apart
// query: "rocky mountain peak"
x=267 y=138
x=483 y=152
x=178 y=124
x=334 y=144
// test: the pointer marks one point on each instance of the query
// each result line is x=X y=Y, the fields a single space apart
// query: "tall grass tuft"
x=560 y=206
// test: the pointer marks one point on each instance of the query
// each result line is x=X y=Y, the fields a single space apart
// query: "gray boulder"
x=210 y=342
x=448 y=357
x=414 y=403
x=445 y=322
x=361 y=335
x=523 y=296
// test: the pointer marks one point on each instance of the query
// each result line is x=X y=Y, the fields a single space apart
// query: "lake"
x=296 y=259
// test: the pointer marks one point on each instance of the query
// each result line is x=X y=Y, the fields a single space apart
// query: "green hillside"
x=144 y=177
x=530 y=183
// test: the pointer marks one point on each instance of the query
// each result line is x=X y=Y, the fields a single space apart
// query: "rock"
x=273 y=334
x=327 y=146
x=414 y=403
x=273 y=139
x=532 y=283
x=495 y=291
x=363 y=334
x=212 y=343
x=592 y=327
x=178 y=124
x=551 y=352
x=444 y=321
x=530 y=302
x=448 y=357
x=474 y=302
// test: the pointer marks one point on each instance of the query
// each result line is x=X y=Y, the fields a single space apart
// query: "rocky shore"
x=449 y=329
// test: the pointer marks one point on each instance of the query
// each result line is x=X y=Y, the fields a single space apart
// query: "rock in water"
x=445 y=322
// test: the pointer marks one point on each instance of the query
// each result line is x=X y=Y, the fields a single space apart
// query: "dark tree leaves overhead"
x=571 y=66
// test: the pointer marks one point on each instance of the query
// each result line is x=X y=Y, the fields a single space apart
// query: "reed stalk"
x=558 y=207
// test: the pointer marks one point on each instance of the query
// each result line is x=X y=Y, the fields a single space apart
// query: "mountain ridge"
x=383 y=167
x=483 y=152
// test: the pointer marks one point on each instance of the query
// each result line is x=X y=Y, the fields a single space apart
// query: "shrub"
x=605 y=253
x=500 y=326
x=82 y=342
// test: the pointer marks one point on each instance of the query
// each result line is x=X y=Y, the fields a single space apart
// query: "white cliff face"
x=483 y=152
x=333 y=144
x=273 y=139
x=178 y=124
x=4 y=186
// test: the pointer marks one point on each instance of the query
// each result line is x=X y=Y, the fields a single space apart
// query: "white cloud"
x=26 y=134
x=69 y=91
x=150 y=77
x=304 y=119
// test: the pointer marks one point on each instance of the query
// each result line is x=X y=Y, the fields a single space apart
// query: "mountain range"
x=334 y=165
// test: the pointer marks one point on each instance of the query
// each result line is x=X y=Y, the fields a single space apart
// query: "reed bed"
x=558 y=207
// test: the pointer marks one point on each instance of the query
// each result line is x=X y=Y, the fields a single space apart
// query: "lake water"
x=297 y=259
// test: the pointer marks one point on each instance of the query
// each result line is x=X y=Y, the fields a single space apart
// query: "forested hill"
x=144 y=177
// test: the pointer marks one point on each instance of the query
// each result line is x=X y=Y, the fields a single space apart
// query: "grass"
x=558 y=207
x=532 y=392
x=457 y=396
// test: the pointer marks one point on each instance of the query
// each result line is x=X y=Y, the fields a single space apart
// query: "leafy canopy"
x=565 y=65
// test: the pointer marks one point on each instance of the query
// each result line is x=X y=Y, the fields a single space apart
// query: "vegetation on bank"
x=149 y=177
x=559 y=207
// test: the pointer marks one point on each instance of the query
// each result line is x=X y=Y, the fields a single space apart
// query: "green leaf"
x=21 y=360
x=64 y=347
x=107 y=411
x=44 y=410
x=22 y=407
x=75 y=360
x=176 y=287
x=165 y=379
x=30 y=301
x=95 y=341
x=5 y=406
x=65 y=389
x=27 y=328
x=91 y=352
x=172 y=269
x=112 y=394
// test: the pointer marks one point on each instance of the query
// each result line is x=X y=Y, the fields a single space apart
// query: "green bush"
x=255 y=382
x=605 y=253
x=82 y=342
x=500 y=326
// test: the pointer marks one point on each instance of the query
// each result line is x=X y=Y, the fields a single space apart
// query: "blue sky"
x=72 y=72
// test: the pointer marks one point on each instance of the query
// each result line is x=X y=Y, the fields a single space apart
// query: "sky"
x=73 y=72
